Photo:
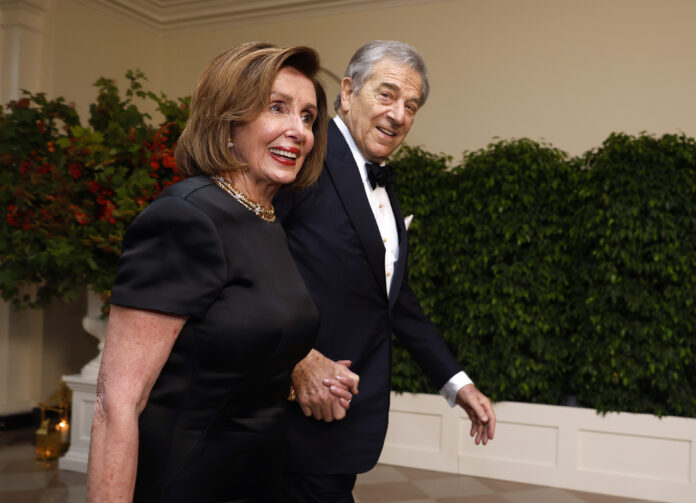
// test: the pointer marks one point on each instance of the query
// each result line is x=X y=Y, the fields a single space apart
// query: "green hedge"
x=556 y=279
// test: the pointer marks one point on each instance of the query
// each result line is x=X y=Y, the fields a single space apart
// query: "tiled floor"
x=394 y=484
x=25 y=480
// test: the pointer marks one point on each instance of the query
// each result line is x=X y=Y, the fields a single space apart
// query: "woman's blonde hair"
x=235 y=88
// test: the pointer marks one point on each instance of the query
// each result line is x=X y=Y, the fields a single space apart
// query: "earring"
x=230 y=144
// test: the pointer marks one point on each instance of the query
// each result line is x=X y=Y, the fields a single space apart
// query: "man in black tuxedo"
x=349 y=240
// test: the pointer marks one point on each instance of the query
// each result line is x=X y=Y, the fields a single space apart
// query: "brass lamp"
x=53 y=436
x=47 y=440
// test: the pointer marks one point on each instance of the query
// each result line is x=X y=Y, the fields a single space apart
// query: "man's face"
x=380 y=115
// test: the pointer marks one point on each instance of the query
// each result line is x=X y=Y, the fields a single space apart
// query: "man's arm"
x=323 y=387
x=423 y=341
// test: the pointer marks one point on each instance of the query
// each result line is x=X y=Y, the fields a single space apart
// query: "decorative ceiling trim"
x=29 y=14
x=174 y=15
x=35 y=5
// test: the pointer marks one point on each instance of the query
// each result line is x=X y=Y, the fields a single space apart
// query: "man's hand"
x=324 y=388
x=479 y=409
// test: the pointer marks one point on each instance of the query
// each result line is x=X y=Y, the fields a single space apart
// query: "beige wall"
x=86 y=42
x=567 y=71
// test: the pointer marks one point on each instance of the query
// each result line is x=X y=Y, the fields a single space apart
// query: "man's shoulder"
x=289 y=201
x=335 y=140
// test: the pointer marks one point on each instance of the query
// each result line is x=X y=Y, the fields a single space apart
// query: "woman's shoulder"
x=189 y=202
x=197 y=193
x=187 y=188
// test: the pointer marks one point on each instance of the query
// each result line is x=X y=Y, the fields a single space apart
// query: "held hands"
x=479 y=409
x=323 y=387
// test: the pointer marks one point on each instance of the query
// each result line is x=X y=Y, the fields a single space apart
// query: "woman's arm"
x=138 y=344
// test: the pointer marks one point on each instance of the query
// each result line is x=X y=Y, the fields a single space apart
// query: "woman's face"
x=275 y=144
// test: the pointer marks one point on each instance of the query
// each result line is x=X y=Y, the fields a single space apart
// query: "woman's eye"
x=275 y=107
x=308 y=118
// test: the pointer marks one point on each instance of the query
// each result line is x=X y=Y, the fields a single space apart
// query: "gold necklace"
x=260 y=211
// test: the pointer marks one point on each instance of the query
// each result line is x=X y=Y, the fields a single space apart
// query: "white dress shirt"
x=382 y=210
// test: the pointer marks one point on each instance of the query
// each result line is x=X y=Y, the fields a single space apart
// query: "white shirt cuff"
x=451 y=387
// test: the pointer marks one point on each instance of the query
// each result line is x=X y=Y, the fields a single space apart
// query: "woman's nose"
x=297 y=129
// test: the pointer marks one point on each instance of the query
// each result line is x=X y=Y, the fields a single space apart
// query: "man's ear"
x=346 y=94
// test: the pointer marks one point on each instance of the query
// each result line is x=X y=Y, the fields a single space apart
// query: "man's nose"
x=397 y=112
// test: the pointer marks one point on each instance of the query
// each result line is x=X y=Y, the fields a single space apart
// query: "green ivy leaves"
x=554 y=278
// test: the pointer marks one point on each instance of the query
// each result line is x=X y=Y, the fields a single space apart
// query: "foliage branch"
x=69 y=191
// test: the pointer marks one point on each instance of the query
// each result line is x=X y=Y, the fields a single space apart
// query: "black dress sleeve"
x=172 y=260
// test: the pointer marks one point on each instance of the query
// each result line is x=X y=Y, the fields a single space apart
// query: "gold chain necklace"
x=263 y=213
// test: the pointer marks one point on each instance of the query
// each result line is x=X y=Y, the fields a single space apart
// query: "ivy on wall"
x=554 y=278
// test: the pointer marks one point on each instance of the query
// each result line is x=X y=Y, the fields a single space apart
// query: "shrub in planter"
x=36 y=178
x=69 y=192
x=489 y=259
x=635 y=235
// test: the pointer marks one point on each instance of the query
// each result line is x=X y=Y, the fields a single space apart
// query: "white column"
x=21 y=337
x=84 y=395
x=22 y=31
x=22 y=25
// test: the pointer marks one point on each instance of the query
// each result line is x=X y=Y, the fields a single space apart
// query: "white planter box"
x=84 y=396
x=622 y=454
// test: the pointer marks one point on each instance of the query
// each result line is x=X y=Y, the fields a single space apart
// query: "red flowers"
x=160 y=154
x=12 y=216
x=80 y=216
x=74 y=169
x=18 y=219
x=69 y=191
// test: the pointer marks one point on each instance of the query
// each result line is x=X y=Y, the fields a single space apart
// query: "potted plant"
x=69 y=191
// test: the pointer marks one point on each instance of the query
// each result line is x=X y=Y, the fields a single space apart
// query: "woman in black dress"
x=209 y=314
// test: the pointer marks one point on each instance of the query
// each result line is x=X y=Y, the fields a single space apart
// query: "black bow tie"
x=380 y=176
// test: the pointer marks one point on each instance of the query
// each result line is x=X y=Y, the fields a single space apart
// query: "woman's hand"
x=341 y=386
x=323 y=387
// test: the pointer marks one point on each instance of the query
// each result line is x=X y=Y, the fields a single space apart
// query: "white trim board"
x=622 y=454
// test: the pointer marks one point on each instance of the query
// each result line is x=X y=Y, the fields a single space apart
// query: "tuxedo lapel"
x=400 y=266
x=341 y=167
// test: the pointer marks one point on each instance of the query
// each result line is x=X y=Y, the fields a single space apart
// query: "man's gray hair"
x=363 y=61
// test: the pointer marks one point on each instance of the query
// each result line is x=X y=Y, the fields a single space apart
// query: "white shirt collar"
x=357 y=155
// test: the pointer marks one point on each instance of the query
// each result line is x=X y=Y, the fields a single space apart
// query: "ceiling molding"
x=35 y=5
x=29 y=14
x=175 y=15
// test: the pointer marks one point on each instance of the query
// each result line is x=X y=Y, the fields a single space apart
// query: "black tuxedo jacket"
x=335 y=241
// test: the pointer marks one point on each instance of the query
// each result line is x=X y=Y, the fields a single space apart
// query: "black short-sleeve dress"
x=214 y=425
